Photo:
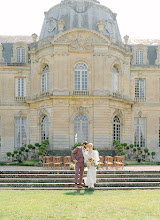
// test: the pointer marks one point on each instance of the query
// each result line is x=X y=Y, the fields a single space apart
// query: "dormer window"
x=20 y=55
x=139 y=56
x=140 y=53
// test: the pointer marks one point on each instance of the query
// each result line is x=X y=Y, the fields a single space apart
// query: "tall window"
x=159 y=132
x=116 y=129
x=81 y=128
x=20 y=55
x=140 y=132
x=0 y=134
x=81 y=77
x=44 y=129
x=139 y=88
x=20 y=134
x=20 y=87
x=139 y=56
x=45 y=79
x=115 y=80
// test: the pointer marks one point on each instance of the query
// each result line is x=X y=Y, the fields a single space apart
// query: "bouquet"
x=92 y=162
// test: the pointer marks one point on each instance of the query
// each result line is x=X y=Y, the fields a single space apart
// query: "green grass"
x=23 y=163
x=73 y=205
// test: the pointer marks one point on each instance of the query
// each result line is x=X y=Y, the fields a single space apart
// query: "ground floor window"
x=81 y=129
x=116 y=129
x=140 y=132
x=159 y=132
x=44 y=129
x=0 y=134
x=20 y=134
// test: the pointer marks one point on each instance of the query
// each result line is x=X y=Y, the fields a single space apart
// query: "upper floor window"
x=20 y=87
x=21 y=55
x=81 y=77
x=45 y=79
x=115 y=80
x=139 y=56
x=140 y=88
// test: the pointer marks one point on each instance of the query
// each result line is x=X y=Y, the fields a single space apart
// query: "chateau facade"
x=79 y=81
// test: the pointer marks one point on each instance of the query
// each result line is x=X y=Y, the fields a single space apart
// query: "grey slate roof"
x=14 y=39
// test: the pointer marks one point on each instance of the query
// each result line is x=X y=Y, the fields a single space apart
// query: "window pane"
x=80 y=77
x=81 y=128
x=44 y=129
x=20 y=136
x=116 y=129
x=140 y=132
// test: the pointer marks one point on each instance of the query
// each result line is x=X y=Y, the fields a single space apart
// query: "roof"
x=14 y=39
x=147 y=42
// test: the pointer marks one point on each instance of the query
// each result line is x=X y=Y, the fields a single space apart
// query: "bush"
x=22 y=148
x=153 y=153
x=37 y=144
x=20 y=152
x=131 y=145
x=138 y=148
x=42 y=148
x=122 y=153
x=26 y=150
x=12 y=155
x=148 y=154
x=125 y=144
x=40 y=153
x=134 y=149
x=33 y=148
x=46 y=142
x=146 y=150
x=29 y=146
x=127 y=147
x=8 y=154
x=15 y=151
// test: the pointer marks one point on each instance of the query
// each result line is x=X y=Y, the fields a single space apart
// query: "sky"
x=136 y=18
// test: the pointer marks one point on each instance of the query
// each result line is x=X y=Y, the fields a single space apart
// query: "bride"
x=91 y=157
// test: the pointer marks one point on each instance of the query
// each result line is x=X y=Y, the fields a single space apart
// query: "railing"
x=80 y=93
x=44 y=94
x=140 y=99
x=20 y=99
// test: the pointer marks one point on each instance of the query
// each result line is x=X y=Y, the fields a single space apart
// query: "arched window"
x=45 y=79
x=115 y=79
x=21 y=55
x=81 y=128
x=81 y=77
x=44 y=129
x=116 y=129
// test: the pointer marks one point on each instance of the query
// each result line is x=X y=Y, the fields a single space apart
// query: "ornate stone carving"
x=81 y=109
x=80 y=40
x=80 y=7
x=34 y=37
x=51 y=23
x=118 y=112
x=110 y=26
x=20 y=113
x=140 y=114
x=126 y=38
x=101 y=25
x=42 y=111
x=60 y=25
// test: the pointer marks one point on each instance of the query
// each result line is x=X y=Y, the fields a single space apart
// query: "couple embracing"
x=81 y=155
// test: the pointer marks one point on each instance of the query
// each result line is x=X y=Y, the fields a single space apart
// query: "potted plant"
x=131 y=147
x=153 y=155
x=22 y=149
x=9 y=155
x=30 y=147
x=37 y=146
x=139 y=150
x=134 y=150
x=15 y=153
x=125 y=145
x=40 y=154
x=146 y=151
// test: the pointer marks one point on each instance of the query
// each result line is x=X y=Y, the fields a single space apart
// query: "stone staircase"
x=63 y=179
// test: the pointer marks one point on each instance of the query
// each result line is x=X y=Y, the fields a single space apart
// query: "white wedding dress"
x=90 y=180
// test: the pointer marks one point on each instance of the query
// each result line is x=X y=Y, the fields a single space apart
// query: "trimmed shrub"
x=22 y=148
x=9 y=154
x=131 y=145
x=127 y=147
x=122 y=153
x=15 y=151
x=37 y=144
x=134 y=149
x=153 y=153
x=138 y=148
x=33 y=148
x=29 y=146
x=40 y=153
x=146 y=150
x=20 y=152
x=26 y=150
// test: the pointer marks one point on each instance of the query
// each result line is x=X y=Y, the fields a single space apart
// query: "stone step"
x=72 y=175
x=68 y=185
x=71 y=180
x=72 y=172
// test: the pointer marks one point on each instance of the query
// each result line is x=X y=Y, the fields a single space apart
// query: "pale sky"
x=136 y=18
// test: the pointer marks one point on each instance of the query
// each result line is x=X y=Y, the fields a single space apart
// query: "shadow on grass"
x=80 y=192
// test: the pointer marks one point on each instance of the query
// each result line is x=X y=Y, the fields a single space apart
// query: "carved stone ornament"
x=42 y=111
x=80 y=41
x=81 y=109
x=20 y=113
x=126 y=38
x=80 y=7
x=101 y=25
x=51 y=23
x=60 y=25
x=110 y=26
x=118 y=112
x=34 y=37
x=140 y=114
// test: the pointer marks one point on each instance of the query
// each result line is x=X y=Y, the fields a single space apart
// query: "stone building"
x=79 y=81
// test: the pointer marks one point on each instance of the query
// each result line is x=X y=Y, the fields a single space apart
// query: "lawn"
x=72 y=205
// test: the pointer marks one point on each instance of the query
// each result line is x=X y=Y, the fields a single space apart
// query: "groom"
x=78 y=159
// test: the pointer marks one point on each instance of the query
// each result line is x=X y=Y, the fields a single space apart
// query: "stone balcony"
x=20 y=99
x=142 y=100
x=80 y=93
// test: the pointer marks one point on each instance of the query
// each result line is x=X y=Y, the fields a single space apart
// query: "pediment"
x=81 y=39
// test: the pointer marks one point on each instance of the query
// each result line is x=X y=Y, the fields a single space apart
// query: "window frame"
x=139 y=91
x=81 y=77
x=45 y=79
x=138 y=128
